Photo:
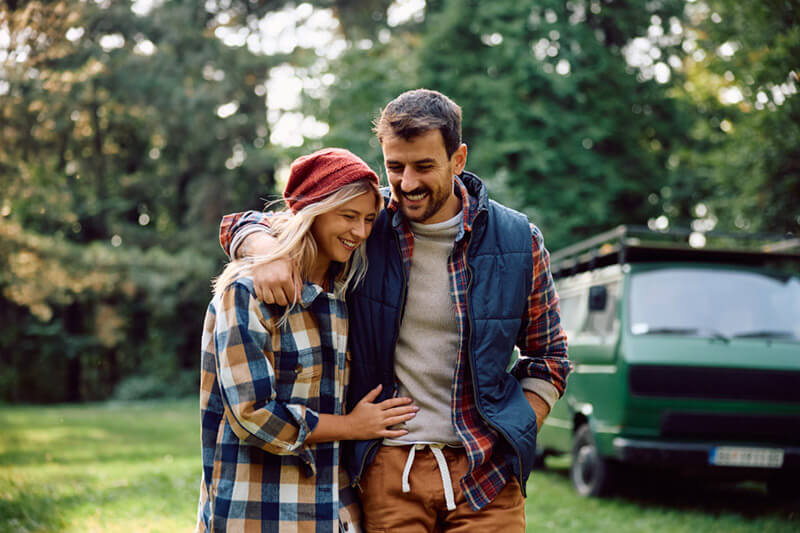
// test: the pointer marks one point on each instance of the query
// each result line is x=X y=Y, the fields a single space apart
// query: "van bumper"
x=648 y=452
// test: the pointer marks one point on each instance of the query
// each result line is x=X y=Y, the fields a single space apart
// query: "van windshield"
x=715 y=303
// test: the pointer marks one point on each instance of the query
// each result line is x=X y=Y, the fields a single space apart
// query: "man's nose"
x=408 y=181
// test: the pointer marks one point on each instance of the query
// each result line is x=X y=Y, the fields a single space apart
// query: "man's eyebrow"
x=424 y=161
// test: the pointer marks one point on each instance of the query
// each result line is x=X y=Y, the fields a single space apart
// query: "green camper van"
x=684 y=357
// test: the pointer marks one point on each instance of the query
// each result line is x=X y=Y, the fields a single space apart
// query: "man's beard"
x=435 y=203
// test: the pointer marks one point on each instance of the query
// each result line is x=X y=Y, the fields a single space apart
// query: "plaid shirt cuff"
x=242 y=234
x=307 y=421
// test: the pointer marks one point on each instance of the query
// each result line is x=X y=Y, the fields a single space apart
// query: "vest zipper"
x=474 y=379
x=355 y=482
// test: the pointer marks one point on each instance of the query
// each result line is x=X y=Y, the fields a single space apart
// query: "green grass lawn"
x=656 y=504
x=106 y=467
x=136 y=467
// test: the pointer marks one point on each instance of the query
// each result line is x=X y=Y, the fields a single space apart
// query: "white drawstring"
x=443 y=471
x=407 y=468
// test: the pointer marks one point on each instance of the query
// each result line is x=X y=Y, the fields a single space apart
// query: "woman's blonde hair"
x=295 y=241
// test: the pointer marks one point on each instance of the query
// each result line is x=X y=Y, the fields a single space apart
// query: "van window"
x=590 y=327
x=573 y=312
x=602 y=324
x=705 y=302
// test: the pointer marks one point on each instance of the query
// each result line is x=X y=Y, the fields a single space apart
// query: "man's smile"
x=415 y=196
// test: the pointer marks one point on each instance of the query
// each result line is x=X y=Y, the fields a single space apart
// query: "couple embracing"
x=356 y=354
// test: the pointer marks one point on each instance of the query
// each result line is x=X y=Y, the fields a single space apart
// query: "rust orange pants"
x=387 y=509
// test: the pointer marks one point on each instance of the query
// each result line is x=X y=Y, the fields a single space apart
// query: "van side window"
x=603 y=325
x=573 y=312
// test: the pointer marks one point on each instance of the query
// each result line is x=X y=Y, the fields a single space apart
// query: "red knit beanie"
x=317 y=175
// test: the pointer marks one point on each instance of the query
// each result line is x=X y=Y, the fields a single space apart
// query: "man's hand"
x=372 y=420
x=277 y=282
x=540 y=407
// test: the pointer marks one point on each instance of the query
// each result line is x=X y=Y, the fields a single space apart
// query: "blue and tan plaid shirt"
x=261 y=391
x=542 y=341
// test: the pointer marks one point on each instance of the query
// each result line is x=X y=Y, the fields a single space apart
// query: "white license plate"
x=743 y=456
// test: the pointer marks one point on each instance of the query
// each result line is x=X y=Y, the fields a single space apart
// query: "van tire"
x=591 y=474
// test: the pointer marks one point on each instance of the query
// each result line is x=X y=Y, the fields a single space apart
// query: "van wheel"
x=591 y=474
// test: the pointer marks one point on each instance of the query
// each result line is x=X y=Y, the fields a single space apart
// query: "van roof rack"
x=640 y=244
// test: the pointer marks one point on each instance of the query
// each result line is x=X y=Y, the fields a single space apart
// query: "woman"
x=273 y=378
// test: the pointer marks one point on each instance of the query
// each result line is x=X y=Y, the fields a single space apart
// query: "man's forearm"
x=245 y=242
x=235 y=226
x=277 y=281
x=539 y=406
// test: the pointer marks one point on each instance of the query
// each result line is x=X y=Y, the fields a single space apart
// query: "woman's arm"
x=247 y=378
x=247 y=386
x=368 y=420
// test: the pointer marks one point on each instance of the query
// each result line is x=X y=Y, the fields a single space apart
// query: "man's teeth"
x=415 y=197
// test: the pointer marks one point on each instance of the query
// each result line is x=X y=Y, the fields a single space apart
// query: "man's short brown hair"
x=416 y=112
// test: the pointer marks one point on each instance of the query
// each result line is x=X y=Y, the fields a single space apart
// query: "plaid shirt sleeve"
x=542 y=341
x=246 y=374
x=234 y=222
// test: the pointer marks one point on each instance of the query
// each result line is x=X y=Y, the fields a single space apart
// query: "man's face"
x=421 y=176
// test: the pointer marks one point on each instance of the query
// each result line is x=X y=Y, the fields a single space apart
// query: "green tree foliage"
x=556 y=119
x=128 y=128
x=587 y=113
x=126 y=136
x=124 y=114
x=365 y=81
x=743 y=84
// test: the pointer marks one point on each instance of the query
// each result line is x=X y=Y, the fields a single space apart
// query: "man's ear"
x=459 y=159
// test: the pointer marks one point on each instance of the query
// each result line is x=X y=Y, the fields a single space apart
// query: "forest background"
x=127 y=129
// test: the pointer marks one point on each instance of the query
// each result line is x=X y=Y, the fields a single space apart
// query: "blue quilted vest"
x=500 y=264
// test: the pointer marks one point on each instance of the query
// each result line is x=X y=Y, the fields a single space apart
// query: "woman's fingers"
x=394 y=402
x=393 y=433
x=399 y=415
x=389 y=422
x=400 y=411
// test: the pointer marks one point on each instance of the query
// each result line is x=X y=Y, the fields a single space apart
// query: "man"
x=441 y=328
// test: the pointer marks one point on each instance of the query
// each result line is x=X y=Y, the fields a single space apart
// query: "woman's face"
x=339 y=232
